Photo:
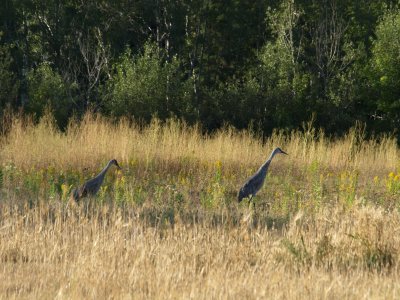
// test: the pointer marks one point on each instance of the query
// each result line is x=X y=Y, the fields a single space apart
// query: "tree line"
x=270 y=63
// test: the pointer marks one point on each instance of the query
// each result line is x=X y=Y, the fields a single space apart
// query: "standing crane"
x=92 y=186
x=255 y=182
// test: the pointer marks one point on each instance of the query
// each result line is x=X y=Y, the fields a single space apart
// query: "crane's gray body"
x=255 y=182
x=92 y=186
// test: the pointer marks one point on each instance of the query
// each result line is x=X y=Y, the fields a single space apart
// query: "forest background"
x=271 y=64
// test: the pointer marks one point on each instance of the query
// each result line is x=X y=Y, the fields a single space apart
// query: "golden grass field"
x=326 y=225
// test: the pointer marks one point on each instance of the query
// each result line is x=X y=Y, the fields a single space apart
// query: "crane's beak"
x=283 y=152
x=117 y=165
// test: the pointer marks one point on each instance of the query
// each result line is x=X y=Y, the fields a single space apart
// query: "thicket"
x=272 y=64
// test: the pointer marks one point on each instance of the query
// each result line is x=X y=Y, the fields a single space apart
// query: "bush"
x=144 y=85
x=386 y=66
x=8 y=80
x=46 y=89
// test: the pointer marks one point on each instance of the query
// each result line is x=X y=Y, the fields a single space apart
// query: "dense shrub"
x=48 y=90
x=145 y=85
x=386 y=67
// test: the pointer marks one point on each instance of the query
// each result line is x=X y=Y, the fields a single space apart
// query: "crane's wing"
x=252 y=185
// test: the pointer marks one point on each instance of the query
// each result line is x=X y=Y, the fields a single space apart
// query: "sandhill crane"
x=255 y=182
x=92 y=186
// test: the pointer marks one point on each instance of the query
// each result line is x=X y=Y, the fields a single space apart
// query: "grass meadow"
x=325 y=225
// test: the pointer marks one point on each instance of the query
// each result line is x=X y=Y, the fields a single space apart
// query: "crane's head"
x=75 y=194
x=279 y=150
x=241 y=195
x=114 y=162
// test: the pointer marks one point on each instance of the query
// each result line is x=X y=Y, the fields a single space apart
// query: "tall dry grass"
x=168 y=227
x=49 y=252
x=95 y=140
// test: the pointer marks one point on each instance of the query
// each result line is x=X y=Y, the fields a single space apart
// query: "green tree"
x=9 y=83
x=386 y=67
x=145 y=85
x=278 y=79
x=47 y=89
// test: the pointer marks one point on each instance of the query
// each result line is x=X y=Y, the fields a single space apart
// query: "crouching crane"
x=92 y=186
x=255 y=182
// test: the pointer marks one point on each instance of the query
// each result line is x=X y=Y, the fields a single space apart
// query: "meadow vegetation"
x=168 y=225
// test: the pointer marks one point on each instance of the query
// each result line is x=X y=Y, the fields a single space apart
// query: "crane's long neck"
x=104 y=171
x=268 y=161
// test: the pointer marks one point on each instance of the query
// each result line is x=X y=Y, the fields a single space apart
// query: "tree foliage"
x=144 y=86
x=386 y=67
x=267 y=63
x=48 y=90
x=8 y=80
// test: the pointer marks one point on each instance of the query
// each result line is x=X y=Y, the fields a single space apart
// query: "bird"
x=255 y=182
x=92 y=186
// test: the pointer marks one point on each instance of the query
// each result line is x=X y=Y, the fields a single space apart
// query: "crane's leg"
x=251 y=202
x=252 y=211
